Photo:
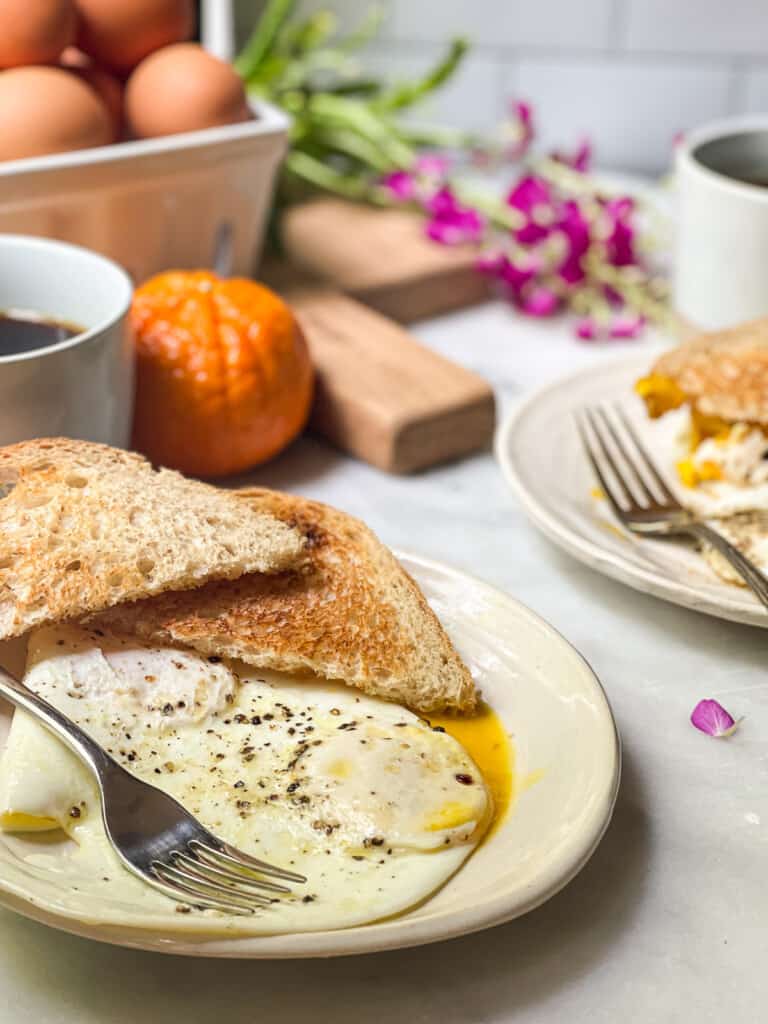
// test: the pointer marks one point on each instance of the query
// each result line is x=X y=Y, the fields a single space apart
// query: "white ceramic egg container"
x=157 y=204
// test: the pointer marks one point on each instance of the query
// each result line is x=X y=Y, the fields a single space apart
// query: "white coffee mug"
x=721 y=265
x=81 y=387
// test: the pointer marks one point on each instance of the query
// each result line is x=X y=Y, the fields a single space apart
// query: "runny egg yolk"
x=661 y=395
x=484 y=739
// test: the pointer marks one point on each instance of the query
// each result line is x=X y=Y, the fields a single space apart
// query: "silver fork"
x=639 y=496
x=151 y=832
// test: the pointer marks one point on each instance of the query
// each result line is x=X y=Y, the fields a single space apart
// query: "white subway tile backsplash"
x=628 y=73
x=756 y=91
x=572 y=24
x=631 y=111
x=696 y=26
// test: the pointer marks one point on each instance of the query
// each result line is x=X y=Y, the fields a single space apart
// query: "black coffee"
x=22 y=331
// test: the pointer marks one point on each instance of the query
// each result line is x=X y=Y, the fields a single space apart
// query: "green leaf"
x=408 y=93
x=351 y=114
x=263 y=37
x=316 y=173
x=367 y=30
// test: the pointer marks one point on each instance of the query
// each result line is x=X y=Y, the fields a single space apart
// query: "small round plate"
x=541 y=456
x=567 y=765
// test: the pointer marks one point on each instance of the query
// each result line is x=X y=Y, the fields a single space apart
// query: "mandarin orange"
x=224 y=378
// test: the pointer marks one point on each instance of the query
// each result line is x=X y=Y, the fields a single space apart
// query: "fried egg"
x=714 y=477
x=375 y=806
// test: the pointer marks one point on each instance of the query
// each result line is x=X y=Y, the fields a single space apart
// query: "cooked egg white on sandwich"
x=713 y=394
x=273 y=708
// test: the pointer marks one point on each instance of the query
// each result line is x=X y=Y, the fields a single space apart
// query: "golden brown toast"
x=84 y=526
x=723 y=374
x=349 y=613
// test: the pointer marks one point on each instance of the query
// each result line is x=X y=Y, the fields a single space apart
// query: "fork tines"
x=624 y=468
x=221 y=878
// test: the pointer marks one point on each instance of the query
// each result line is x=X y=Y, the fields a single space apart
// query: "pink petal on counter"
x=710 y=717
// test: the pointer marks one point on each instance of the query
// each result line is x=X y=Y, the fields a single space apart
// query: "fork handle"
x=751 y=575
x=56 y=722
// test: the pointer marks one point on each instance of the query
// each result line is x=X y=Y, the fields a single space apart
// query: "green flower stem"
x=263 y=37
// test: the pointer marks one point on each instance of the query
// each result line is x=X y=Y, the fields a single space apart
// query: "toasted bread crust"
x=84 y=526
x=349 y=613
x=724 y=374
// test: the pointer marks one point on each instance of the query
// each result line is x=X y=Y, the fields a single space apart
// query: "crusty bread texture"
x=725 y=373
x=84 y=526
x=349 y=612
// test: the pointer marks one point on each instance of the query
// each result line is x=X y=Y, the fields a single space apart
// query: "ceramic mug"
x=721 y=265
x=81 y=387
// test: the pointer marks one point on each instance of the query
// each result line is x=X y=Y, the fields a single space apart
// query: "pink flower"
x=531 y=196
x=619 y=245
x=626 y=326
x=521 y=130
x=516 y=277
x=580 y=160
x=450 y=223
x=432 y=165
x=586 y=329
x=711 y=717
x=401 y=185
x=540 y=301
x=575 y=227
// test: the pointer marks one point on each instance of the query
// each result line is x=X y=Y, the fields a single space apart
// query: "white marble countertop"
x=668 y=921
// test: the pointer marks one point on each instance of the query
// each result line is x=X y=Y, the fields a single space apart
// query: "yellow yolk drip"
x=484 y=739
x=17 y=821
x=692 y=474
x=660 y=394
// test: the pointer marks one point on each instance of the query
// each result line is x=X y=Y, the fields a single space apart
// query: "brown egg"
x=35 y=31
x=49 y=110
x=120 y=33
x=182 y=88
x=109 y=88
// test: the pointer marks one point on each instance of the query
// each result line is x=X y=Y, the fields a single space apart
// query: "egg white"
x=667 y=439
x=360 y=795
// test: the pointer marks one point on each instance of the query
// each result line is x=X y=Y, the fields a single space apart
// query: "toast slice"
x=350 y=612
x=84 y=526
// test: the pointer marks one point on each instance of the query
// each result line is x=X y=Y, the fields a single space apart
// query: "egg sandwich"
x=720 y=382
x=261 y=657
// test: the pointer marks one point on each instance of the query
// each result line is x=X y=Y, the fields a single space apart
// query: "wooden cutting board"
x=383 y=396
x=382 y=258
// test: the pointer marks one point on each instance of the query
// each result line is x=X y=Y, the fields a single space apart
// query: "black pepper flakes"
x=74 y=812
x=464 y=779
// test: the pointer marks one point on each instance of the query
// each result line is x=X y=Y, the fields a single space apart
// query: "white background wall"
x=628 y=73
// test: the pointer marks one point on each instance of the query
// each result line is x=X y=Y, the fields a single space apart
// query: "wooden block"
x=382 y=258
x=381 y=395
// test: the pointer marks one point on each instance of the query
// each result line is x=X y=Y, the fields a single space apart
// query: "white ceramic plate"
x=567 y=765
x=542 y=458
